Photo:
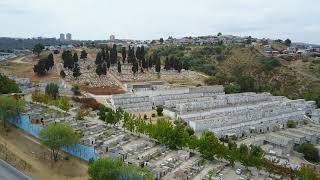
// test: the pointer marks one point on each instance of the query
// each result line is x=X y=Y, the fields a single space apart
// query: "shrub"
x=76 y=90
x=160 y=111
x=52 y=90
x=232 y=88
x=270 y=64
x=291 y=124
x=81 y=114
x=8 y=86
x=310 y=152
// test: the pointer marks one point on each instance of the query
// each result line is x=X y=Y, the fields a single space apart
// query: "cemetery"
x=209 y=108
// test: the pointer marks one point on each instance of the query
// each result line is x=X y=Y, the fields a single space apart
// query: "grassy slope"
x=285 y=80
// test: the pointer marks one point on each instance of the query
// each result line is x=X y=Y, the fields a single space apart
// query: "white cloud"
x=147 y=19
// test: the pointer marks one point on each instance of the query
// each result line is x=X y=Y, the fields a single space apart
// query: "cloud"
x=152 y=19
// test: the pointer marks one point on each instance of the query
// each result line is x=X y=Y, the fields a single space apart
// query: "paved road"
x=8 y=172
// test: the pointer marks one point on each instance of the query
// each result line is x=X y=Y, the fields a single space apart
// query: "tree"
x=41 y=67
x=10 y=108
x=57 y=135
x=161 y=40
x=38 y=49
x=104 y=69
x=83 y=54
x=76 y=70
x=107 y=60
x=113 y=54
x=75 y=57
x=99 y=59
x=219 y=34
x=119 y=67
x=7 y=85
x=158 y=63
x=52 y=90
x=124 y=54
x=105 y=169
x=287 y=42
x=310 y=152
x=160 y=111
x=68 y=61
x=208 y=145
x=99 y=70
x=62 y=74
x=306 y=173
x=50 y=61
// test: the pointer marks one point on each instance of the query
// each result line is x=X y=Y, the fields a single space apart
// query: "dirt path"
x=30 y=150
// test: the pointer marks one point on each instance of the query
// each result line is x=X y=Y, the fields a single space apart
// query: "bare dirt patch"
x=28 y=149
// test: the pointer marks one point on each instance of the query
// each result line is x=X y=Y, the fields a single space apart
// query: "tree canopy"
x=10 y=107
x=7 y=85
x=38 y=49
x=57 y=135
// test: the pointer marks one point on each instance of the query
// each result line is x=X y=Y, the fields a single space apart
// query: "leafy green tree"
x=310 y=152
x=208 y=145
x=10 y=108
x=57 y=135
x=76 y=70
x=52 y=90
x=219 y=34
x=7 y=85
x=306 y=173
x=38 y=48
x=180 y=135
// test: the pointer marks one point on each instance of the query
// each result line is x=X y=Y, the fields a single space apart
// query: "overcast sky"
x=298 y=20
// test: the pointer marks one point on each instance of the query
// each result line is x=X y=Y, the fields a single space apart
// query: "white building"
x=69 y=37
x=112 y=38
x=62 y=37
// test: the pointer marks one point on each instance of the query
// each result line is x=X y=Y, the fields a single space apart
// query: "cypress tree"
x=76 y=70
x=119 y=67
x=158 y=63
x=124 y=54
x=99 y=59
x=75 y=57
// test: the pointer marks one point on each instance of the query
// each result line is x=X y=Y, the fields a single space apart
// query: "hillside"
x=242 y=69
